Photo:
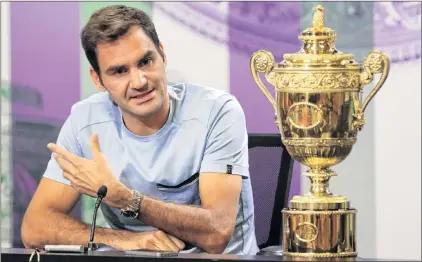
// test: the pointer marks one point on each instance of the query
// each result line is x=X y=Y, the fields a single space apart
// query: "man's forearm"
x=204 y=228
x=54 y=227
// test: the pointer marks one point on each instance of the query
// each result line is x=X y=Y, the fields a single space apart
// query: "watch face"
x=129 y=214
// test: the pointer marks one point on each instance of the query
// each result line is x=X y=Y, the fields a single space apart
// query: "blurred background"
x=44 y=72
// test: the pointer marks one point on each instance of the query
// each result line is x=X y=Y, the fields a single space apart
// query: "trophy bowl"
x=319 y=112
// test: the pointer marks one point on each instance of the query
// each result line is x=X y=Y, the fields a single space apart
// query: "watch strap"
x=132 y=208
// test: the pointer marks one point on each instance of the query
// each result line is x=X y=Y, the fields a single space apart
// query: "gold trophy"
x=318 y=94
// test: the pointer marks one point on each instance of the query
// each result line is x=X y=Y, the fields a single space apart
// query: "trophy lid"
x=318 y=45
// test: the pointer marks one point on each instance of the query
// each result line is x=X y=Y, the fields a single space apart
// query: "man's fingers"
x=68 y=176
x=167 y=241
x=95 y=147
x=160 y=244
x=63 y=153
x=179 y=243
x=65 y=164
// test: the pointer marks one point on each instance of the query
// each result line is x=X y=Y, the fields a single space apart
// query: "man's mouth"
x=142 y=94
x=143 y=97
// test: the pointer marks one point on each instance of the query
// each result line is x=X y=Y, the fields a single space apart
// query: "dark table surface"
x=18 y=255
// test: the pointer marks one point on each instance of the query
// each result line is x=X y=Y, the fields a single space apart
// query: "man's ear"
x=96 y=79
x=164 y=53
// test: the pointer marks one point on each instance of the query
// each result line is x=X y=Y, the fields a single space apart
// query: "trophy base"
x=320 y=255
x=319 y=233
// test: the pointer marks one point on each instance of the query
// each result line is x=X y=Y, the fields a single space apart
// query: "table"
x=21 y=255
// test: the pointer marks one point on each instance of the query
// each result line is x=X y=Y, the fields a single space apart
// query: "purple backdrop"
x=45 y=83
x=253 y=26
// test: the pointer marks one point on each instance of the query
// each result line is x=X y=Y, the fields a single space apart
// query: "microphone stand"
x=102 y=192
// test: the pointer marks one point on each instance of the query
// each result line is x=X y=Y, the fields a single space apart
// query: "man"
x=174 y=158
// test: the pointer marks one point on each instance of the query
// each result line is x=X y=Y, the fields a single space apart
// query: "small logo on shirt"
x=229 y=169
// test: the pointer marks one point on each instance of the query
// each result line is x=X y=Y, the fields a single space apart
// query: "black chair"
x=270 y=167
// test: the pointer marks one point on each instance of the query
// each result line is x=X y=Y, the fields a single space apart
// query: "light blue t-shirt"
x=205 y=132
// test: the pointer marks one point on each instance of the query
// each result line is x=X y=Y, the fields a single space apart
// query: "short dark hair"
x=110 y=23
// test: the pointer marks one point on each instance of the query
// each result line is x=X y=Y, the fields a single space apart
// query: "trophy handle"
x=376 y=62
x=263 y=61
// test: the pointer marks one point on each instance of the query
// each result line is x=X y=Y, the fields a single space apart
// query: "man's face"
x=133 y=72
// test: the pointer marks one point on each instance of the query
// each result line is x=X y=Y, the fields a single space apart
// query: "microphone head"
x=102 y=192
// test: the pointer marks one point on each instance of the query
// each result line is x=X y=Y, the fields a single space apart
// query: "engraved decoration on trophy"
x=319 y=112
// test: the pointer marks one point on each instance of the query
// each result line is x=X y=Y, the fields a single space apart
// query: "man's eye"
x=120 y=71
x=145 y=62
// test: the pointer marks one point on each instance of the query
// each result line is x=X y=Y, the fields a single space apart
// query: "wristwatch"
x=132 y=207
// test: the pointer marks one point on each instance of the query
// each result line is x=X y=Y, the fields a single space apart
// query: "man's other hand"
x=153 y=240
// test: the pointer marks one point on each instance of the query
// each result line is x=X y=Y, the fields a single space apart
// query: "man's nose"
x=138 y=79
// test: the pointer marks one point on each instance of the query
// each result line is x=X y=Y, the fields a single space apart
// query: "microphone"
x=101 y=193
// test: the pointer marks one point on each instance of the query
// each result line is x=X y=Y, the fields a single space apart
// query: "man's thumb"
x=95 y=146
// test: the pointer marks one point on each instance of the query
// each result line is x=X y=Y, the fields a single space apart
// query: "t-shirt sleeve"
x=67 y=139
x=226 y=149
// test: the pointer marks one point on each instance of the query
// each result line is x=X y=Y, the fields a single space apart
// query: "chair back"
x=270 y=167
